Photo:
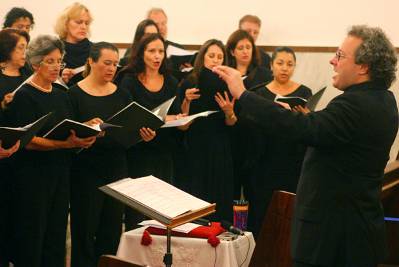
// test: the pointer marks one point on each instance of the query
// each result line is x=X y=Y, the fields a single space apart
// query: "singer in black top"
x=278 y=159
x=144 y=27
x=146 y=80
x=41 y=169
x=73 y=28
x=12 y=73
x=244 y=57
x=209 y=171
x=96 y=219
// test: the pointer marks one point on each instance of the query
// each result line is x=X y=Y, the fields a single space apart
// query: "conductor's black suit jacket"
x=338 y=212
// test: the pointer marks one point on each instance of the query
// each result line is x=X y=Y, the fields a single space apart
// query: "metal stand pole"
x=167 y=259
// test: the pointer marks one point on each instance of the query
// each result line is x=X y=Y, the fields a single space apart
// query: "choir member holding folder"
x=96 y=219
x=12 y=63
x=12 y=60
x=147 y=81
x=279 y=159
x=209 y=172
x=73 y=28
x=244 y=56
x=40 y=188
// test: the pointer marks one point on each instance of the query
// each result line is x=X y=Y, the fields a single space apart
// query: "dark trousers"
x=96 y=218
x=40 y=197
x=4 y=213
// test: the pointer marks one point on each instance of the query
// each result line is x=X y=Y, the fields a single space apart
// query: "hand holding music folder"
x=184 y=120
x=299 y=101
x=9 y=136
x=133 y=117
x=63 y=129
x=159 y=200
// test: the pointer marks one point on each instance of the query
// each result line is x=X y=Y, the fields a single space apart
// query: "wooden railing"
x=268 y=48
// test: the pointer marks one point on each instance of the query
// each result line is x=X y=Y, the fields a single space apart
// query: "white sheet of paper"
x=184 y=228
x=185 y=120
x=158 y=195
x=176 y=51
x=27 y=80
x=79 y=69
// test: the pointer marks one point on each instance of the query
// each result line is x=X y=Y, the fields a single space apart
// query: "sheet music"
x=158 y=195
x=185 y=120
x=27 y=80
x=176 y=51
x=79 y=69
x=184 y=228
x=162 y=110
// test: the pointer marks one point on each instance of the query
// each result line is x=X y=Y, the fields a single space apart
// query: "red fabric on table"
x=208 y=232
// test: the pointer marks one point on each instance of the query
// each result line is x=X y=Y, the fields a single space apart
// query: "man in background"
x=252 y=24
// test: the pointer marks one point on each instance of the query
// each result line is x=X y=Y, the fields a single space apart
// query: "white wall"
x=290 y=22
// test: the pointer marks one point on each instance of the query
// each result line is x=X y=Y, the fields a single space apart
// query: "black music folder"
x=310 y=103
x=63 y=129
x=9 y=136
x=132 y=118
x=293 y=101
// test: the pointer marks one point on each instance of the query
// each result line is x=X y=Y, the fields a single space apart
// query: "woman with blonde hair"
x=73 y=28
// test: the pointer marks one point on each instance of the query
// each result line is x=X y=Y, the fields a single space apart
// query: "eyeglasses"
x=54 y=64
x=339 y=54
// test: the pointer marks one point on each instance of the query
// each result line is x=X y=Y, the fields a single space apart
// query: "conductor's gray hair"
x=377 y=52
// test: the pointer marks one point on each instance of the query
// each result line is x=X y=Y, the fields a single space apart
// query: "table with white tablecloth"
x=187 y=251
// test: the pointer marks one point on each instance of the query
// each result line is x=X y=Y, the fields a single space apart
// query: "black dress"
x=76 y=56
x=40 y=188
x=7 y=85
x=278 y=167
x=209 y=171
x=243 y=139
x=154 y=157
x=10 y=83
x=264 y=58
x=96 y=219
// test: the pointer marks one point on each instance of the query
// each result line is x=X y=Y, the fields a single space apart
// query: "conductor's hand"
x=147 y=134
x=74 y=141
x=303 y=110
x=233 y=79
x=67 y=74
x=5 y=153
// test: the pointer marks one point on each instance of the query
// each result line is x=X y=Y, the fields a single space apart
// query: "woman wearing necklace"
x=280 y=160
x=96 y=219
x=147 y=81
x=41 y=169
x=73 y=28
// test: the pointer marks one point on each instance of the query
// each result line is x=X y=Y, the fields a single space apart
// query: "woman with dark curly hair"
x=19 y=18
